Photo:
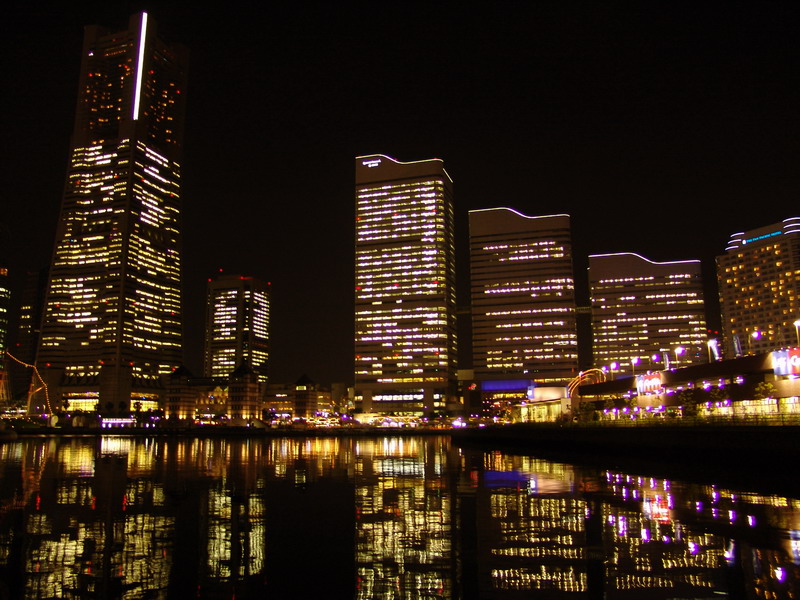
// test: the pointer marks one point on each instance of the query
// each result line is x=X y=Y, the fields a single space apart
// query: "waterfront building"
x=405 y=308
x=759 y=289
x=112 y=317
x=237 y=325
x=523 y=297
x=646 y=314
x=5 y=305
x=302 y=399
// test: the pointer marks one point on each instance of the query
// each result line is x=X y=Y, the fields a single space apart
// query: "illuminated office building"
x=405 y=330
x=523 y=296
x=5 y=303
x=237 y=325
x=759 y=281
x=112 y=317
x=646 y=314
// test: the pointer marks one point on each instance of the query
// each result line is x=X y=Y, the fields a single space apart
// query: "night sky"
x=660 y=128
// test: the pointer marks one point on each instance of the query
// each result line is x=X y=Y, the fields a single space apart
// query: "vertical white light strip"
x=139 y=67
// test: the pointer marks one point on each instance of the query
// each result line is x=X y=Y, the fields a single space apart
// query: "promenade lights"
x=755 y=335
x=679 y=351
x=634 y=362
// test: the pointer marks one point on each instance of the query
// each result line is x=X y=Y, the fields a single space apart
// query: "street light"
x=753 y=336
x=797 y=330
x=613 y=367
x=678 y=352
x=634 y=362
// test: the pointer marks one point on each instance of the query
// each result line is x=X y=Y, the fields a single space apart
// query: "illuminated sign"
x=761 y=237
x=649 y=384
x=372 y=162
x=786 y=362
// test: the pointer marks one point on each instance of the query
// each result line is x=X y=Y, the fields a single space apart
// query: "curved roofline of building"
x=652 y=262
x=411 y=162
x=519 y=213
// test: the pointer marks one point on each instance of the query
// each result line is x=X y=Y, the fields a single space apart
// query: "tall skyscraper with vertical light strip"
x=523 y=297
x=237 y=326
x=112 y=317
x=405 y=303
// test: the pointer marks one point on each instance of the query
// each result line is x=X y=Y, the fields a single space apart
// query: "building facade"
x=405 y=305
x=523 y=297
x=645 y=314
x=759 y=289
x=237 y=325
x=112 y=316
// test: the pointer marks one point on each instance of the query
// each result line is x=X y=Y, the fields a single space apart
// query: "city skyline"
x=627 y=122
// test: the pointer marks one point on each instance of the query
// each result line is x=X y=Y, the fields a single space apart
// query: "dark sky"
x=661 y=128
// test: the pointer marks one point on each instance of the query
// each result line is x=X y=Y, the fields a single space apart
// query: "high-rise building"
x=112 y=317
x=646 y=314
x=405 y=321
x=237 y=325
x=759 y=288
x=523 y=297
x=5 y=304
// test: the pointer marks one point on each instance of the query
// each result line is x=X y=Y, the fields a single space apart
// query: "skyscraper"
x=237 y=325
x=759 y=288
x=646 y=313
x=405 y=329
x=523 y=296
x=112 y=317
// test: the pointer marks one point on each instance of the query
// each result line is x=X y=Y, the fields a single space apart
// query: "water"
x=389 y=517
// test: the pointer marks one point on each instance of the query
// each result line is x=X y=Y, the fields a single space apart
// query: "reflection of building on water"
x=550 y=529
x=390 y=518
x=535 y=536
x=403 y=519
x=98 y=531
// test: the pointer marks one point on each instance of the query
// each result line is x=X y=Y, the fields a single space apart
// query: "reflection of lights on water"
x=645 y=535
x=622 y=526
x=730 y=552
x=794 y=537
x=780 y=574
x=115 y=445
x=693 y=549
x=698 y=506
x=731 y=515
x=532 y=486
x=751 y=520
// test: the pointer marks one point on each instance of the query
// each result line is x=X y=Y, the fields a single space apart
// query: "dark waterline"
x=382 y=517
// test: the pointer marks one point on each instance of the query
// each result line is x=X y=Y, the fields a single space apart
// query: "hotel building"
x=523 y=297
x=405 y=307
x=759 y=284
x=237 y=325
x=112 y=316
x=646 y=314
